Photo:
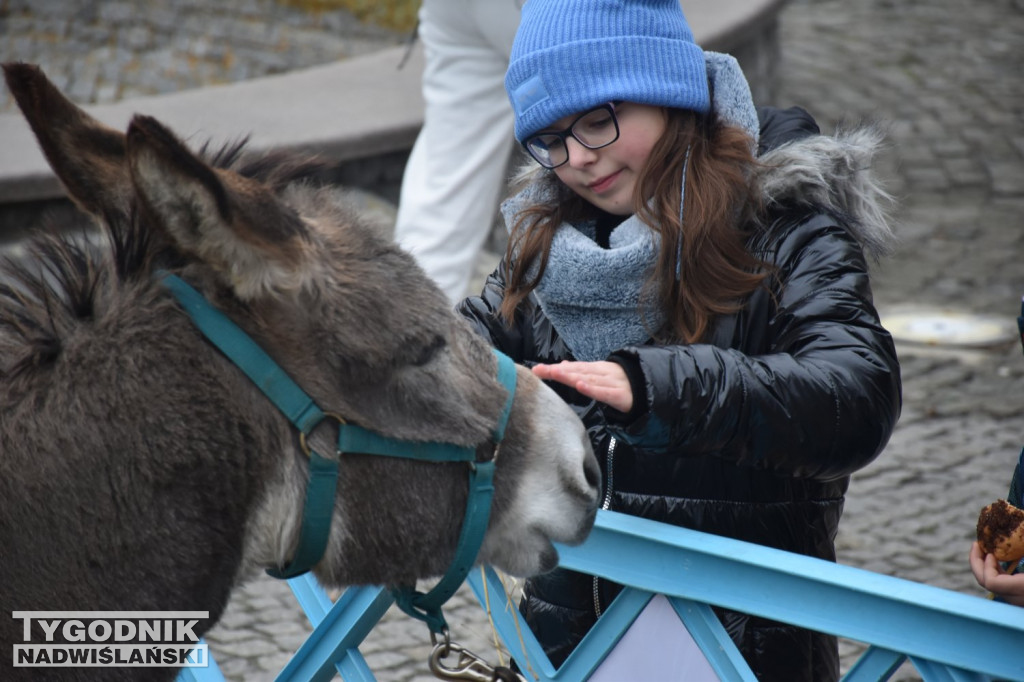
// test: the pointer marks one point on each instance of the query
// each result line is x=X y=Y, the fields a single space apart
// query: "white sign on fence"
x=657 y=646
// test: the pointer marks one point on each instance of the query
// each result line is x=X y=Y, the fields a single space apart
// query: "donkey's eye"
x=429 y=351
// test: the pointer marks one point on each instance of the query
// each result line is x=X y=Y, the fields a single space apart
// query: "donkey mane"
x=66 y=276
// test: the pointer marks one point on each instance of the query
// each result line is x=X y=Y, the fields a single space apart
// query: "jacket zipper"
x=605 y=504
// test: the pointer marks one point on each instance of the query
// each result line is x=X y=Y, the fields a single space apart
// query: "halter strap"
x=427 y=607
x=305 y=415
x=239 y=347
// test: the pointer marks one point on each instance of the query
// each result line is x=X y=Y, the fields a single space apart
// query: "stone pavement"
x=945 y=76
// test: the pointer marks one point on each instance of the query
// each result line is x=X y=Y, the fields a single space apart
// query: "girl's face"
x=607 y=176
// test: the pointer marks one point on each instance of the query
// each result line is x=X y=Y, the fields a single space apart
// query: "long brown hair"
x=703 y=270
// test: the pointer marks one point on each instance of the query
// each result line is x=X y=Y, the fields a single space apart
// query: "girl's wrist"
x=637 y=383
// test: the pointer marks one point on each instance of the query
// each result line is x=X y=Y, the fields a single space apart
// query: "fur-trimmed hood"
x=835 y=174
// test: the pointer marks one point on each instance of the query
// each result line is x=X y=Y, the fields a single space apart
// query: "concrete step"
x=356 y=108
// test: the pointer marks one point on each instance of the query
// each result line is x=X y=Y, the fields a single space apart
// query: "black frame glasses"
x=549 y=148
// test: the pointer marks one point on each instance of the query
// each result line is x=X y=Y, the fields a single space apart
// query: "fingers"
x=550 y=372
x=984 y=566
x=977 y=560
x=1009 y=588
x=597 y=373
x=617 y=397
x=990 y=575
x=603 y=381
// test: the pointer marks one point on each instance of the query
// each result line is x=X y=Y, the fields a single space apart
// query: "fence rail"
x=946 y=635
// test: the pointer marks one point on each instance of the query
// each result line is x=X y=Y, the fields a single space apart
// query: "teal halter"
x=305 y=415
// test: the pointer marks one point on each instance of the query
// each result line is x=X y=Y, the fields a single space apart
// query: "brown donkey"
x=141 y=471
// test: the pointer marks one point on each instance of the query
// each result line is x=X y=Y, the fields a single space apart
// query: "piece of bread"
x=1001 y=531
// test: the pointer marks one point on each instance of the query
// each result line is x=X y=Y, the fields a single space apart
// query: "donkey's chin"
x=531 y=551
x=525 y=558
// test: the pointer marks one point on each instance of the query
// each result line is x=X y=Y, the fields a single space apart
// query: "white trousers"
x=456 y=173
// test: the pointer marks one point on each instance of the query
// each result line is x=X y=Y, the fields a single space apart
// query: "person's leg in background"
x=456 y=172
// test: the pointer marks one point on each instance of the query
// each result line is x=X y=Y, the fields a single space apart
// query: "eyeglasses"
x=594 y=129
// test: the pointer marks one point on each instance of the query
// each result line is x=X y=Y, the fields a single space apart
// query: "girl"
x=694 y=283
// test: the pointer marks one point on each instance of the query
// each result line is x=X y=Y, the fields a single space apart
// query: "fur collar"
x=833 y=174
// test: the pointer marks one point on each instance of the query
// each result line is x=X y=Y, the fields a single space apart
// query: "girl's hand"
x=990 y=575
x=603 y=381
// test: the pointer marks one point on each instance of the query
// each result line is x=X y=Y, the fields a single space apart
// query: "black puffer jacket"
x=754 y=433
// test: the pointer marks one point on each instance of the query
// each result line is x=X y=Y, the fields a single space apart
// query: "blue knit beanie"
x=573 y=55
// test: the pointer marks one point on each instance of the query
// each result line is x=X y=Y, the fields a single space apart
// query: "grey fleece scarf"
x=596 y=297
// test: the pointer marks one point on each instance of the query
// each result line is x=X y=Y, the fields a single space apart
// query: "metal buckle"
x=303 y=443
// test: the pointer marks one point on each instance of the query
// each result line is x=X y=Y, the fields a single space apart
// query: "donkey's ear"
x=235 y=224
x=87 y=156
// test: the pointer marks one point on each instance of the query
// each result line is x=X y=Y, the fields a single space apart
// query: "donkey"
x=141 y=471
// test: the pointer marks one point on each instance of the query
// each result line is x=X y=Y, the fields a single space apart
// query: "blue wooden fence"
x=946 y=635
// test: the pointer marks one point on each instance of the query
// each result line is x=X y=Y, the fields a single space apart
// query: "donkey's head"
x=355 y=323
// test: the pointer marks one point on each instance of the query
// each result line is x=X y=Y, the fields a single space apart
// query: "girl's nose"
x=579 y=155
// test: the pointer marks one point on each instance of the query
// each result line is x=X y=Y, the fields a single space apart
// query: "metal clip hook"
x=469 y=666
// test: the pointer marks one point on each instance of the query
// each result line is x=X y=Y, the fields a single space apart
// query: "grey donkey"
x=141 y=471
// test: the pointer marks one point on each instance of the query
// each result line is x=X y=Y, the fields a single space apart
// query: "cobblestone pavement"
x=945 y=76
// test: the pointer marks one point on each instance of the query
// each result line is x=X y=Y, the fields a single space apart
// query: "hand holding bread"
x=1000 y=539
x=1001 y=531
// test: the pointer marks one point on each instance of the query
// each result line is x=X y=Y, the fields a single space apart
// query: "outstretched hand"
x=991 y=576
x=603 y=381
